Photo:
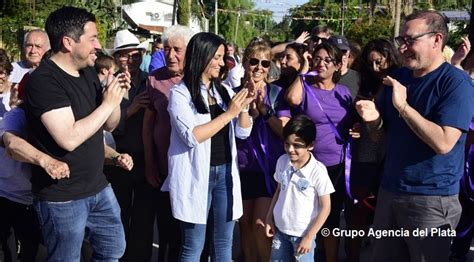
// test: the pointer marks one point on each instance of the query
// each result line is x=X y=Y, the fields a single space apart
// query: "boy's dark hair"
x=104 y=61
x=157 y=40
x=303 y=127
x=66 y=21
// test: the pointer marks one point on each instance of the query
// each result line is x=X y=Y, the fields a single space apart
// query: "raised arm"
x=237 y=107
x=461 y=53
x=294 y=93
x=281 y=47
x=69 y=133
x=440 y=138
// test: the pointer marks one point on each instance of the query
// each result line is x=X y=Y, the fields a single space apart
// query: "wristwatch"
x=270 y=113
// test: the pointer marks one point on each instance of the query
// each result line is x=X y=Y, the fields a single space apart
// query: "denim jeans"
x=284 y=248
x=64 y=225
x=219 y=206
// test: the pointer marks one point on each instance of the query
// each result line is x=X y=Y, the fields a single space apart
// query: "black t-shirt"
x=48 y=88
x=220 y=144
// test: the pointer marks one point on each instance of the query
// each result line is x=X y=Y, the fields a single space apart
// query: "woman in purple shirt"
x=328 y=104
x=258 y=153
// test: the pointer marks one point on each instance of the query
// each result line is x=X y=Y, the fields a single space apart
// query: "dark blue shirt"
x=444 y=97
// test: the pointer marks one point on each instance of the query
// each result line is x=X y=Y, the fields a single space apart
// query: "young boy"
x=105 y=64
x=301 y=203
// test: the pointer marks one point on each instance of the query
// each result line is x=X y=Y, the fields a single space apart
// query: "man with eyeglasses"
x=130 y=187
x=425 y=110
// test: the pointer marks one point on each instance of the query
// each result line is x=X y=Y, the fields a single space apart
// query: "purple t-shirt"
x=337 y=104
x=261 y=131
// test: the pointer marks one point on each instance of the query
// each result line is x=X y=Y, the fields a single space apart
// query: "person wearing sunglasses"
x=130 y=187
x=425 y=111
x=259 y=153
x=328 y=104
x=379 y=58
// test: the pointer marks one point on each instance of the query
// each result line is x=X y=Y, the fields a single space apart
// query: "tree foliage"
x=17 y=16
x=251 y=23
x=365 y=19
x=183 y=12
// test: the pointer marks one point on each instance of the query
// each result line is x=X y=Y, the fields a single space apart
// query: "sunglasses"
x=316 y=38
x=127 y=57
x=263 y=63
x=410 y=40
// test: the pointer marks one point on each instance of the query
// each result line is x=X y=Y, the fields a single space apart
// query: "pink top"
x=160 y=83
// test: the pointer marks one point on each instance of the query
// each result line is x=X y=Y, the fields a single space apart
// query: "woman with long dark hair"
x=379 y=57
x=203 y=179
x=328 y=104
x=291 y=64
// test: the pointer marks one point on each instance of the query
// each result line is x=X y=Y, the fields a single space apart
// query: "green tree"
x=184 y=12
x=16 y=16
x=237 y=15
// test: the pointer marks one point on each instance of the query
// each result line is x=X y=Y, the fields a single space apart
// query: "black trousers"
x=22 y=218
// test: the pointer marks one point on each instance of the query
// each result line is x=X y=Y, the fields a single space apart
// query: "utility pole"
x=265 y=17
x=216 y=27
x=342 y=17
x=237 y=26
x=173 y=21
x=396 y=28
x=34 y=11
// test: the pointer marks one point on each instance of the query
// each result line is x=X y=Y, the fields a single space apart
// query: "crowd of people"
x=98 y=145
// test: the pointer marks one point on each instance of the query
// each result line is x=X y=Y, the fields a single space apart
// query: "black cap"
x=340 y=42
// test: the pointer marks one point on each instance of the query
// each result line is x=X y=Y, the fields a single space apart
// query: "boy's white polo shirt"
x=298 y=202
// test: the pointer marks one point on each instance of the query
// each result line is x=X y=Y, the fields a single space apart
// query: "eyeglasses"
x=263 y=63
x=410 y=40
x=326 y=60
x=127 y=57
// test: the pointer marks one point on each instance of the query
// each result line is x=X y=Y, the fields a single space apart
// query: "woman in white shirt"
x=205 y=119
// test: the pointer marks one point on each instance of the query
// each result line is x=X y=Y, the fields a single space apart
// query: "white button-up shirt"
x=298 y=203
x=189 y=161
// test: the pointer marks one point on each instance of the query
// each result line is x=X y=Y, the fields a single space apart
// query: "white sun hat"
x=125 y=40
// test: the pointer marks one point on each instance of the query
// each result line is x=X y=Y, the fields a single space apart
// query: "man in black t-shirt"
x=67 y=111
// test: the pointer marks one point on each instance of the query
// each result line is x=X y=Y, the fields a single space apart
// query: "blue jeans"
x=219 y=206
x=284 y=248
x=64 y=224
